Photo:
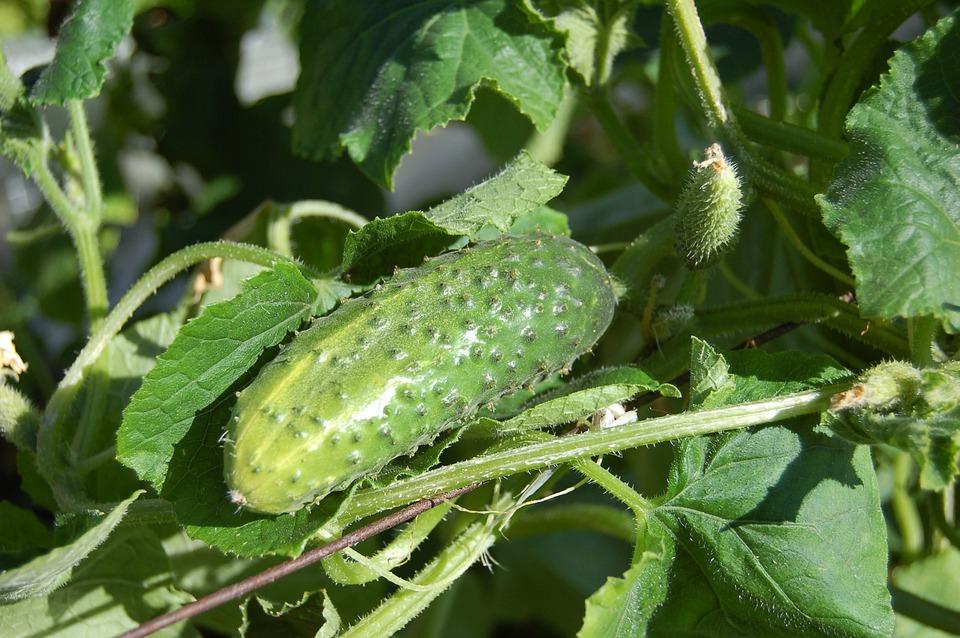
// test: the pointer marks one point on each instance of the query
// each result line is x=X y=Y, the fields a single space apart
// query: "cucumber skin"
x=387 y=372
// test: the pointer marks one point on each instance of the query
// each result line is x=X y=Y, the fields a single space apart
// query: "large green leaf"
x=373 y=74
x=779 y=531
x=87 y=41
x=207 y=356
x=895 y=202
x=124 y=583
x=45 y=573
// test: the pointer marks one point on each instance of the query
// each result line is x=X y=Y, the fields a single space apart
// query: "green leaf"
x=572 y=406
x=718 y=379
x=22 y=535
x=124 y=583
x=375 y=74
x=45 y=573
x=623 y=606
x=544 y=220
x=395 y=242
x=331 y=619
x=503 y=202
x=578 y=399
x=738 y=504
x=86 y=42
x=21 y=137
x=895 y=202
x=207 y=356
x=522 y=187
x=709 y=372
x=616 y=375
x=936 y=578
x=590 y=28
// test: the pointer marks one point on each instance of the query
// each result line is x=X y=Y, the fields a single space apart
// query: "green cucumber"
x=387 y=372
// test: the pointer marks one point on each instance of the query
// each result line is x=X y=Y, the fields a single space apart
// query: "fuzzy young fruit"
x=708 y=211
x=387 y=372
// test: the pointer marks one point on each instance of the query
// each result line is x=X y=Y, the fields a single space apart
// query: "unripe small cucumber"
x=387 y=372
x=708 y=211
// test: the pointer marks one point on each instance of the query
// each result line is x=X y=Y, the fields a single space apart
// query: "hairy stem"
x=750 y=316
x=767 y=178
x=537 y=456
x=790 y=137
x=851 y=72
x=88 y=165
x=707 y=80
x=615 y=487
x=396 y=611
x=83 y=232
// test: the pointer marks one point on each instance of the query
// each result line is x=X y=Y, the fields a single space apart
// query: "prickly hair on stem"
x=708 y=210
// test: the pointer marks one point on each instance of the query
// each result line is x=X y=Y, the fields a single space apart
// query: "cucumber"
x=387 y=372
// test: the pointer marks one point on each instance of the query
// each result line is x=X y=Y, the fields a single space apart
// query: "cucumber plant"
x=709 y=387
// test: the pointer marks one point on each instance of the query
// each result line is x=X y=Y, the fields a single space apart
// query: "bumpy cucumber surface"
x=387 y=372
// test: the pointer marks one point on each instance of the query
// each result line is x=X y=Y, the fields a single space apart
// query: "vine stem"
x=248 y=585
x=694 y=41
x=802 y=248
x=83 y=232
x=540 y=455
x=904 y=509
x=766 y=177
x=790 y=137
x=148 y=284
x=830 y=311
x=88 y=165
x=616 y=487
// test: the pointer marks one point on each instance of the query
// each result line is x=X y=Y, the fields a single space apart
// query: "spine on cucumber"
x=387 y=372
